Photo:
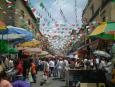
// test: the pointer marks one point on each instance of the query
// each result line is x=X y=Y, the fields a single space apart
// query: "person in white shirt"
x=60 y=67
x=97 y=63
x=46 y=69
x=91 y=63
x=102 y=64
x=51 y=66
x=11 y=64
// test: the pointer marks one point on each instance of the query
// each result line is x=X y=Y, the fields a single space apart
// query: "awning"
x=32 y=43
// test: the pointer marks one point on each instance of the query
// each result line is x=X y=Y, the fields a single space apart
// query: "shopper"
x=51 y=66
x=19 y=68
x=33 y=70
x=60 y=68
x=46 y=69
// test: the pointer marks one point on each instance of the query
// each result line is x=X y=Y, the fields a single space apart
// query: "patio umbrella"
x=14 y=33
x=101 y=32
x=2 y=25
x=21 y=40
x=101 y=53
x=110 y=27
x=32 y=43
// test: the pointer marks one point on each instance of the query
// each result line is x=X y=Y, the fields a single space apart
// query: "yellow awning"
x=32 y=43
x=99 y=29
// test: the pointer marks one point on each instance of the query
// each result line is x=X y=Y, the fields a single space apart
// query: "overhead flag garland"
x=62 y=14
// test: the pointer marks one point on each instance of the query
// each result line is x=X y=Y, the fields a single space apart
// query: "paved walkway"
x=52 y=82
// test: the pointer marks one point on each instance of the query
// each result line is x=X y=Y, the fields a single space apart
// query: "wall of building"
x=113 y=11
x=92 y=7
x=23 y=18
x=6 y=13
x=98 y=10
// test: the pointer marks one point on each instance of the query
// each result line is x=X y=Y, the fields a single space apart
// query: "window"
x=29 y=22
x=92 y=9
x=22 y=13
x=104 y=19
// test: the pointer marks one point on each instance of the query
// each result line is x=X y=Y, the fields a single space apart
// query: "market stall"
x=76 y=76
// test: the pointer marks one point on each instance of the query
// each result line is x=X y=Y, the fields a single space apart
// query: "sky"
x=67 y=6
x=53 y=7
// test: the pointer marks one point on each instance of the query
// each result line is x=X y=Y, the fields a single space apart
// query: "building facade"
x=99 y=10
x=18 y=13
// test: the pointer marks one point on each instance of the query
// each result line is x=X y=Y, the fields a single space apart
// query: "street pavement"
x=52 y=82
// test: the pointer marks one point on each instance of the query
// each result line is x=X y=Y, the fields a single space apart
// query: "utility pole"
x=76 y=13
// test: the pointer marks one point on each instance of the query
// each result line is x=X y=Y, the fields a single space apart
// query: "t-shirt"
x=33 y=68
x=60 y=65
x=46 y=66
x=97 y=61
x=51 y=64
x=66 y=63
x=102 y=64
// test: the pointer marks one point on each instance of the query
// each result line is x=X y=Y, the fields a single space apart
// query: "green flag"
x=42 y=5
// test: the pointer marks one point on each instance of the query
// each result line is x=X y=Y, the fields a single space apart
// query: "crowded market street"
x=57 y=43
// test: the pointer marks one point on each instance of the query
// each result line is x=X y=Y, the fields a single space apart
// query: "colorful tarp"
x=103 y=31
x=107 y=27
x=13 y=33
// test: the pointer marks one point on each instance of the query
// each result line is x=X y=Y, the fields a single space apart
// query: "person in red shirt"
x=19 y=68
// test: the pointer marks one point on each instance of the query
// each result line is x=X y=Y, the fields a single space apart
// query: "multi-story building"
x=95 y=11
x=18 y=13
x=99 y=10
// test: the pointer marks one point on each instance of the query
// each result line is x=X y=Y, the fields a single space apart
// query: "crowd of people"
x=26 y=67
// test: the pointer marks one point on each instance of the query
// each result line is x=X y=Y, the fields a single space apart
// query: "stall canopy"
x=13 y=33
x=102 y=31
x=32 y=43
x=29 y=49
x=44 y=53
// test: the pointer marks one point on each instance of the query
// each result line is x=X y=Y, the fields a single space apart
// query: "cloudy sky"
x=67 y=7
x=53 y=7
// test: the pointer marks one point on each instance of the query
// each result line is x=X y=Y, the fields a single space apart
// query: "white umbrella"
x=101 y=53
